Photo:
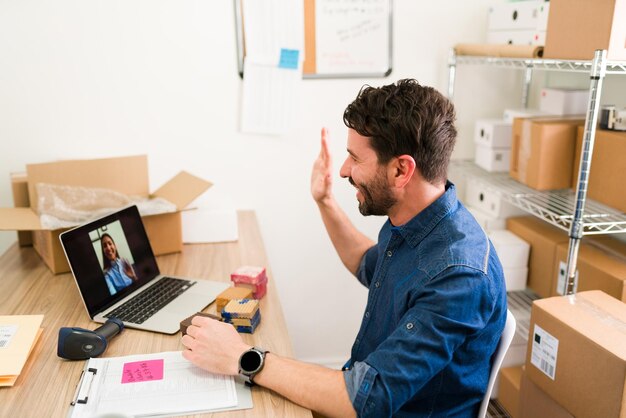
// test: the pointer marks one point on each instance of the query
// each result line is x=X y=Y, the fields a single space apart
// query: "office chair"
x=503 y=346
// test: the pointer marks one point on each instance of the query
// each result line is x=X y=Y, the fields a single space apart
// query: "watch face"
x=251 y=361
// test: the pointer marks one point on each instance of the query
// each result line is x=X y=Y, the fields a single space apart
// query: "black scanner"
x=81 y=344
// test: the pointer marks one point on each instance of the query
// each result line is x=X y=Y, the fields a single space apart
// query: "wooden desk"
x=47 y=382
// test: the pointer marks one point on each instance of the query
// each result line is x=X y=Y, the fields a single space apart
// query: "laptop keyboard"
x=150 y=301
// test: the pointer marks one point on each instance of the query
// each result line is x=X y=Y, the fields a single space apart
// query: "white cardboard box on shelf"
x=563 y=101
x=517 y=37
x=480 y=196
x=510 y=114
x=515 y=278
x=493 y=133
x=518 y=15
x=494 y=160
x=486 y=221
x=512 y=250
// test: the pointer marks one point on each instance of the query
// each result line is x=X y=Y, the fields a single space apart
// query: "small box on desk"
x=124 y=175
x=542 y=154
x=543 y=239
x=251 y=277
x=577 y=353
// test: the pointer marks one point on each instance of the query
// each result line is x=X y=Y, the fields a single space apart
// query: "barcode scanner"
x=81 y=344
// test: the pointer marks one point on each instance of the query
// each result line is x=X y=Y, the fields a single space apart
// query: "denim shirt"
x=435 y=311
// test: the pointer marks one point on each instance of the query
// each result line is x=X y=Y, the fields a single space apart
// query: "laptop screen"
x=110 y=258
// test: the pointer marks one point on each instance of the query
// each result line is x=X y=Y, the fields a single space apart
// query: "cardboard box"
x=19 y=187
x=543 y=239
x=493 y=133
x=509 y=391
x=576 y=28
x=494 y=160
x=608 y=159
x=564 y=102
x=542 y=153
x=486 y=221
x=518 y=15
x=480 y=196
x=127 y=175
x=535 y=403
x=601 y=266
x=512 y=250
x=517 y=37
x=577 y=353
x=510 y=114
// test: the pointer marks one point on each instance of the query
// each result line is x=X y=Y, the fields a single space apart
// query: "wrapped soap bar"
x=232 y=293
x=251 y=277
x=243 y=314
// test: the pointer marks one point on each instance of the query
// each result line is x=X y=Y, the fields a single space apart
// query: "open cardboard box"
x=128 y=175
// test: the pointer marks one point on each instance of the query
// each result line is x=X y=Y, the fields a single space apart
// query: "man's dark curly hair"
x=406 y=118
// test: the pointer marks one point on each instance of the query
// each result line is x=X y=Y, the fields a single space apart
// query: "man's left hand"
x=213 y=345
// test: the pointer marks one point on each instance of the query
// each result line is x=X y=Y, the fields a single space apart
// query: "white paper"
x=544 y=351
x=352 y=36
x=7 y=332
x=184 y=389
x=271 y=90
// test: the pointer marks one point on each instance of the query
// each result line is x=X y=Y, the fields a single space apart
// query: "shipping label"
x=544 y=352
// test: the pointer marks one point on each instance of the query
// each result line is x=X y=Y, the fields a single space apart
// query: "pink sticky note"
x=142 y=371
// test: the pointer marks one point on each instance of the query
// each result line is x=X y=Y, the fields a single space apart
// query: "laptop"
x=117 y=276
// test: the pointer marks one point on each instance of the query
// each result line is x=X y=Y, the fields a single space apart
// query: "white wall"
x=83 y=79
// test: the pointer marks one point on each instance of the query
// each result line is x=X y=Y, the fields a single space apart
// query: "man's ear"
x=403 y=169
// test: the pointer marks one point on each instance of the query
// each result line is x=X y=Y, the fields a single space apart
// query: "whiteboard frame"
x=240 y=49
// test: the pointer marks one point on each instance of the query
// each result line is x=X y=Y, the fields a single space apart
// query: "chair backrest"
x=503 y=346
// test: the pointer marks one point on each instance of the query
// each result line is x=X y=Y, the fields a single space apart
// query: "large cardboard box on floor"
x=543 y=239
x=542 y=152
x=535 y=403
x=577 y=353
x=601 y=266
x=576 y=28
x=127 y=175
x=608 y=165
x=509 y=391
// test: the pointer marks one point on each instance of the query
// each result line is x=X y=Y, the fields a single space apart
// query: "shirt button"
x=389 y=253
x=409 y=325
x=367 y=314
x=377 y=284
x=356 y=341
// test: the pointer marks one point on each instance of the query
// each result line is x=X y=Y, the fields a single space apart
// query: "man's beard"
x=377 y=197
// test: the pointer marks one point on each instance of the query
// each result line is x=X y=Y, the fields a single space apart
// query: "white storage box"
x=518 y=15
x=516 y=37
x=543 y=10
x=515 y=278
x=493 y=133
x=479 y=196
x=494 y=160
x=487 y=222
x=510 y=114
x=564 y=101
x=512 y=250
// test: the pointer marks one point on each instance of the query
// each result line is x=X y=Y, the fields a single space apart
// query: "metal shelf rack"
x=561 y=208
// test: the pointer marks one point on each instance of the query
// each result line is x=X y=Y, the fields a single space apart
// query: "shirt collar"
x=415 y=230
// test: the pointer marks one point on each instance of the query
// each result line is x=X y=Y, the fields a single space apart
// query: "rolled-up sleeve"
x=453 y=305
x=367 y=266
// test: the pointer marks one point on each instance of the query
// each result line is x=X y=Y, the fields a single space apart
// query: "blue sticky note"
x=289 y=58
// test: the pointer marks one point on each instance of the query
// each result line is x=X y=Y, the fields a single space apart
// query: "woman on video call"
x=118 y=273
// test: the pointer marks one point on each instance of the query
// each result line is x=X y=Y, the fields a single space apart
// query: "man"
x=437 y=303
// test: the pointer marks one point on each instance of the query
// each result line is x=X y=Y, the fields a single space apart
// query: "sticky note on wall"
x=289 y=58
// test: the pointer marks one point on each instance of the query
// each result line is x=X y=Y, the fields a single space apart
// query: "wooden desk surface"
x=47 y=382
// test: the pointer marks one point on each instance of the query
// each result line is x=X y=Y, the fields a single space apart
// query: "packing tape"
x=597 y=312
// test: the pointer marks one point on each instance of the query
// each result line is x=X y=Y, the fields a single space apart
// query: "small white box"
x=494 y=160
x=564 y=101
x=486 y=221
x=516 y=16
x=510 y=114
x=515 y=278
x=493 y=133
x=512 y=251
x=543 y=10
x=478 y=195
x=516 y=37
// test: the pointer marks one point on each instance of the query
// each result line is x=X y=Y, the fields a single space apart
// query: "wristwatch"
x=251 y=362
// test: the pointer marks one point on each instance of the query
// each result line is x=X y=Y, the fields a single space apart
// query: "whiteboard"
x=343 y=38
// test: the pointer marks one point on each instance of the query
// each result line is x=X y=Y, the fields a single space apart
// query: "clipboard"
x=110 y=385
